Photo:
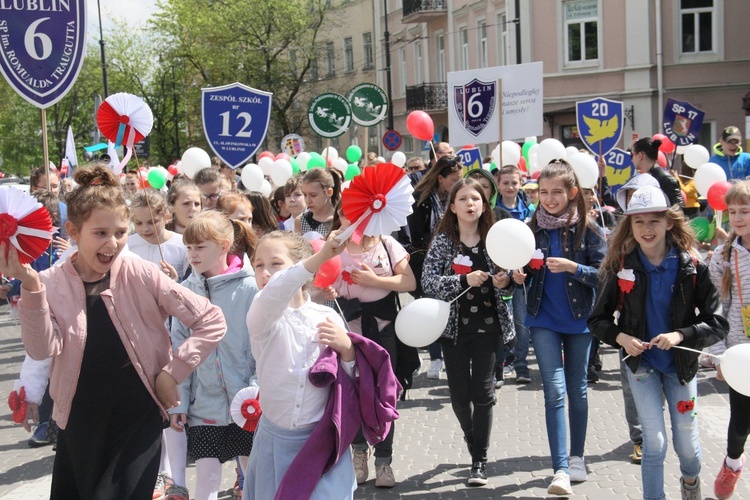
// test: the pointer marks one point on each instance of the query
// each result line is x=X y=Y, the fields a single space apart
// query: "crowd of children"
x=174 y=302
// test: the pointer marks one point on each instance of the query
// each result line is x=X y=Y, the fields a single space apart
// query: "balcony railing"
x=427 y=97
x=418 y=11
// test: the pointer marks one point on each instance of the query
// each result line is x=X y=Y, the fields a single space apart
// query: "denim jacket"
x=581 y=289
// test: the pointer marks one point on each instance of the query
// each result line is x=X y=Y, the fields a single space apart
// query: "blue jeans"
x=648 y=385
x=558 y=379
x=521 y=350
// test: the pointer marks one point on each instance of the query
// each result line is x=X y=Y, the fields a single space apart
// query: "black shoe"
x=598 y=362
x=591 y=376
x=478 y=475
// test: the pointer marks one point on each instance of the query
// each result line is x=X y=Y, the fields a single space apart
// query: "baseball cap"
x=647 y=200
x=531 y=185
x=730 y=133
x=634 y=182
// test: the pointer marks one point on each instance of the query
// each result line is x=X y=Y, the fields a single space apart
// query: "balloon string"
x=717 y=356
x=460 y=295
x=346 y=323
x=148 y=203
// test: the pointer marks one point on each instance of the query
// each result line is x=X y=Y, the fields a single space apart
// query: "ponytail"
x=245 y=239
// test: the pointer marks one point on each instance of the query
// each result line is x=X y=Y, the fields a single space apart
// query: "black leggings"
x=470 y=366
x=739 y=423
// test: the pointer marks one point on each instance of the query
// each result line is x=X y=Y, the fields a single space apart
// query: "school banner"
x=600 y=124
x=475 y=99
x=471 y=158
x=620 y=168
x=235 y=121
x=42 y=48
x=682 y=122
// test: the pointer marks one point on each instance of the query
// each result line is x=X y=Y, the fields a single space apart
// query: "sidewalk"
x=430 y=459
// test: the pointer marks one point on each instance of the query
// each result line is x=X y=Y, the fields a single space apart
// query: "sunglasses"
x=212 y=197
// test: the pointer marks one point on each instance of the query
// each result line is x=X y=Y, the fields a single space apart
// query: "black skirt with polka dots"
x=222 y=442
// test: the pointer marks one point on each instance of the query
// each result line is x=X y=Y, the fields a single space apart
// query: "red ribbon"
x=17 y=404
x=250 y=409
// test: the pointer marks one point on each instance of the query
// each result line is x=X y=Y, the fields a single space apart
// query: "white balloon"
x=533 y=165
x=252 y=177
x=265 y=188
x=511 y=154
x=510 y=243
x=486 y=166
x=422 y=322
x=329 y=153
x=707 y=175
x=266 y=164
x=302 y=160
x=534 y=150
x=571 y=150
x=585 y=167
x=340 y=164
x=281 y=171
x=398 y=159
x=734 y=367
x=495 y=155
x=193 y=160
x=550 y=149
x=680 y=150
x=695 y=156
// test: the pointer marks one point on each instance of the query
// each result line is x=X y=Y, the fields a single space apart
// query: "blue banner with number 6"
x=235 y=121
x=599 y=124
x=42 y=47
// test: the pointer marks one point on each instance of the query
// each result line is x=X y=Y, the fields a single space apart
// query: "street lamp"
x=101 y=45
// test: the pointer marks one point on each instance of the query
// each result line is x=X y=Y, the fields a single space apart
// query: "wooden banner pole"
x=500 y=122
x=45 y=147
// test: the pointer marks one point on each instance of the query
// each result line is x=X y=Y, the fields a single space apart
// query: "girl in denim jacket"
x=563 y=276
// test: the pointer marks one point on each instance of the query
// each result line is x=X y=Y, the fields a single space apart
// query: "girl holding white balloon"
x=666 y=304
x=458 y=259
x=572 y=246
x=730 y=272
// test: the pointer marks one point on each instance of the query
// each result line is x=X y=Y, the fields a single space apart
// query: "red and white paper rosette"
x=25 y=223
x=124 y=119
x=377 y=201
x=245 y=409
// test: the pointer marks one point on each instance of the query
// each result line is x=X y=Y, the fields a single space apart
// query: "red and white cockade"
x=25 y=223
x=245 y=409
x=124 y=119
x=626 y=280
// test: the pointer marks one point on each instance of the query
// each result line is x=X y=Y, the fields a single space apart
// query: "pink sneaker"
x=726 y=480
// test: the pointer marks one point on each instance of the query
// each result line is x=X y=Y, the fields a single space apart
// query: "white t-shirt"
x=175 y=252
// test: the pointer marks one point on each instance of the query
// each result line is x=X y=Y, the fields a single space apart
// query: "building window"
x=502 y=40
x=482 y=39
x=463 y=37
x=402 y=71
x=581 y=31
x=367 y=50
x=348 y=55
x=697 y=26
x=440 y=44
x=417 y=63
x=330 y=59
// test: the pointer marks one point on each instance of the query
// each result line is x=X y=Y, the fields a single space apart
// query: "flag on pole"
x=70 y=150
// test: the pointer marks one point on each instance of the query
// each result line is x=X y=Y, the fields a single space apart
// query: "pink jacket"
x=139 y=300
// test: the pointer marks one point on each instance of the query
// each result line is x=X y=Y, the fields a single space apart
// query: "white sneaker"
x=436 y=366
x=577 y=469
x=560 y=484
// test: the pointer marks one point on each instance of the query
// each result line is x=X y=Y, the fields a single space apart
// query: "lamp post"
x=101 y=45
x=387 y=40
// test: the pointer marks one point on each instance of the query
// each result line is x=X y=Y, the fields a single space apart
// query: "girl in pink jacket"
x=113 y=374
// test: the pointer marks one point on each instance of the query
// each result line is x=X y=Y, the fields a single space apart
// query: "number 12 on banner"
x=244 y=132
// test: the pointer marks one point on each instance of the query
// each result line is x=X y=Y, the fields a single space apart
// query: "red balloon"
x=282 y=156
x=266 y=153
x=329 y=271
x=662 y=160
x=143 y=178
x=468 y=146
x=667 y=146
x=536 y=174
x=522 y=164
x=172 y=169
x=420 y=125
x=716 y=194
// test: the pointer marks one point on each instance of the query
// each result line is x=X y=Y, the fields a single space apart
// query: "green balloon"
x=701 y=228
x=157 y=178
x=353 y=153
x=295 y=166
x=352 y=171
x=525 y=149
x=316 y=161
x=493 y=166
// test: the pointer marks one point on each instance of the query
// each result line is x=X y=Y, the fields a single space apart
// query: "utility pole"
x=388 y=89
